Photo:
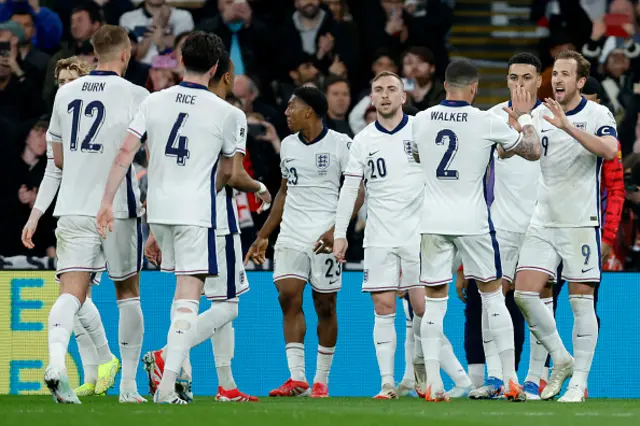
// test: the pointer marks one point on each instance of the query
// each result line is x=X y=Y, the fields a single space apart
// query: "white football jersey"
x=569 y=192
x=394 y=183
x=226 y=208
x=313 y=171
x=515 y=183
x=455 y=142
x=90 y=118
x=186 y=128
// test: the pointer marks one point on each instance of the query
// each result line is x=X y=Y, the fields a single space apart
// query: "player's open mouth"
x=559 y=89
x=385 y=103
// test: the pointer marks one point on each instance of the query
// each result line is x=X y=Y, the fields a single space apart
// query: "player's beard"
x=568 y=96
x=390 y=114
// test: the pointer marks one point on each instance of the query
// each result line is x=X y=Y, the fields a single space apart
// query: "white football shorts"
x=187 y=249
x=231 y=281
x=510 y=244
x=391 y=268
x=322 y=271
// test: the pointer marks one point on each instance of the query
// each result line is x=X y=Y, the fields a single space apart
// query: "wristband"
x=262 y=189
x=525 y=120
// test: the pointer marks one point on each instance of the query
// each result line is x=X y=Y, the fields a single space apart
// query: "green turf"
x=38 y=410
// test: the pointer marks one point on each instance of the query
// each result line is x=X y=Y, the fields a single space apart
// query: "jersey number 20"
x=177 y=145
x=443 y=171
x=94 y=109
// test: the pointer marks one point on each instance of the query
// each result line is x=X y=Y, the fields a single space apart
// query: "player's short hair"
x=73 y=63
x=461 y=73
x=583 y=65
x=314 y=98
x=593 y=87
x=201 y=51
x=93 y=10
x=224 y=64
x=109 y=40
x=334 y=79
x=526 y=59
x=383 y=74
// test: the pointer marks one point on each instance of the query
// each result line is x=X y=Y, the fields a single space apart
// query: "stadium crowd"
x=276 y=46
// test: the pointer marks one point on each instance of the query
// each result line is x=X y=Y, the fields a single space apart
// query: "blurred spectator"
x=616 y=81
x=246 y=92
x=156 y=24
x=21 y=172
x=419 y=70
x=31 y=59
x=19 y=98
x=301 y=70
x=85 y=21
x=338 y=94
x=246 y=36
x=313 y=30
x=370 y=115
x=48 y=24
x=114 y=9
x=111 y=11
x=553 y=45
x=162 y=74
x=177 y=52
x=136 y=72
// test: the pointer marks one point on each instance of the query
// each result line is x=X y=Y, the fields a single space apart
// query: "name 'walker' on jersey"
x=90 y=117
x=313 y=171
x=455 y=142
x=184 y=143
x=394 y=183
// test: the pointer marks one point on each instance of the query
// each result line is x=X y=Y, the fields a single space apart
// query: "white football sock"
x=409 y=352
x=224 y=342
x=476 y=374
x=542 y=325
x=295 y=359
x=323 y=364
x=92 y=322
x=431 y=330
x=384 y=339
x=451 y=365
x=491 y=355
x=181 y=334
x=130 y=334
x=61 y=318
x=417 y=333
x=501 y=327
x=538 y=353
x=88 y=354
x=208 y=322
x=585 y=337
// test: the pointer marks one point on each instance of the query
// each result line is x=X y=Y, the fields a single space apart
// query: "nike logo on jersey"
x=382 y=343
x=583 y=335
x=587 y=270
x=545 y=130
x=487 y=341
x=371 y=154
x=287 y=160
x=333 y=282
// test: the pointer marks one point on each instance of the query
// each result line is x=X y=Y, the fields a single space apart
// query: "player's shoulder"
x=497 y=108
x=292 y=139
x=71 y=87
x=237 y=113
x=595 y=108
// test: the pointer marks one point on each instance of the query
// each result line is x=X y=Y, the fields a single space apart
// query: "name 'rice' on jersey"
x=313 y=171
x=90 y=118
x=186 y=128
x=569 y=194
x=515 y=182
x=455 y=142
x=394 y=183
x=226 y=207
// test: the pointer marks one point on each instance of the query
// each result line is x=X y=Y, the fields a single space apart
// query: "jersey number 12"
x=443 y=171
x=177 y=145
x=96 y=110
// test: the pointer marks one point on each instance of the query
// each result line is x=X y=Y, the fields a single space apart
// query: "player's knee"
x=290 y=301
x=128 y=288
x=186 y=312
x=582 y=289
x=230 y=309
x=326 y=309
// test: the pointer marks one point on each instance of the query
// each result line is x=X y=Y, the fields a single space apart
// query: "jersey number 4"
x=443 y=171
x=96 y=110
x=177 y=145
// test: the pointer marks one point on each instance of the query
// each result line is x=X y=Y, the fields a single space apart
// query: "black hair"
x=179 y=38
x=92 y=9
x=421 y=52
x=23 y=9
x=201 y=51
x=461 y=72
x=223 y=66
x=314 y=98
x=333 y=79
x=526 y=59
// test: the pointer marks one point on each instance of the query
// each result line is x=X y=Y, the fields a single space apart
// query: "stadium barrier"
x=260 y=362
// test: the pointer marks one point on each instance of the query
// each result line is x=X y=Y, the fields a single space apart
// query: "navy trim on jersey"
x=318 y=138
x=580 y=107
x=599 y=246
x=104 y=73
x=131 y=196
x=400 y=126
x=599 y=162
x=231 y=218
x=454 y=104
x=213 y=194
x=492 y=229
x=143 y=138
x=212 y=254
x=410 y=308
x=191 y=85
x=230 y=255
x=139 y=249
x=538 y=103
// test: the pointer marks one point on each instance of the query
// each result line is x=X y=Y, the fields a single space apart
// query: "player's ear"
x=404 y=97
x=213 y=69
x=581 y=82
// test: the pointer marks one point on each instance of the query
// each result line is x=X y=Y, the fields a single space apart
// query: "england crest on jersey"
x=582 y=126
x=323 y=160
x=407 y=147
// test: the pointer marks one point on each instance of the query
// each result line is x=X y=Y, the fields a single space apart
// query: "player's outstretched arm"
x=344 y=212
x=604 y=145
x=529 y=146
x=241 y=181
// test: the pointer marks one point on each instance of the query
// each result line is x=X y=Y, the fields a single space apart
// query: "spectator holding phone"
x=33 y=61
x=420 y=81
x=156 y=24
x=48 y=24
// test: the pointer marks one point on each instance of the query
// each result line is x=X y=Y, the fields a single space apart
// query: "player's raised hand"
x=27 y=233
x=340 y=249
x=152 y=251
x=104 y=220
x=513 y=119
x=324 y=243
x=521 y=101
x=258 y=251
x=559 y=118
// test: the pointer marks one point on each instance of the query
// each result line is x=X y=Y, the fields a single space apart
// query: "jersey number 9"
x=443 y=171
x=96 y=110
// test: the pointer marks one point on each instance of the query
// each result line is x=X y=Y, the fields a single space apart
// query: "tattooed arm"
x=529 y=146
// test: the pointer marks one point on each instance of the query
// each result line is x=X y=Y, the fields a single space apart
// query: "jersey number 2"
x=443 y=171
x=177 y=145
x=94 y=109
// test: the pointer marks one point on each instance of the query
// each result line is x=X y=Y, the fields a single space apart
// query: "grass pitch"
x=94 y=411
